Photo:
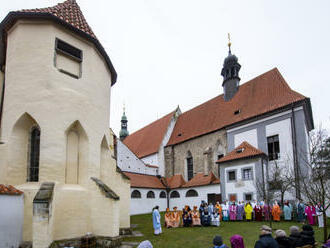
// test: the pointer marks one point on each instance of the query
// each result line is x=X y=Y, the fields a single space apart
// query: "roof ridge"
x=68 y=11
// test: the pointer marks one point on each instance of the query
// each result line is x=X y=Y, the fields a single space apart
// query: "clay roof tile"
x=9 y=190
x=144 y=181
x=147 y=140
x=201 y=180
x=258 y=96
x=244 y=150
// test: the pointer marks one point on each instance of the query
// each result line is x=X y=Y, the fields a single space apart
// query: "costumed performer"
x=156 y=221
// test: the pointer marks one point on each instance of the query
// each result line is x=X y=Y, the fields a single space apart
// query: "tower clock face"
x=124 y=125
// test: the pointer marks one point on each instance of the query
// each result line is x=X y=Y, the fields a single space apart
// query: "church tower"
x=123 y=131
x=229 y=72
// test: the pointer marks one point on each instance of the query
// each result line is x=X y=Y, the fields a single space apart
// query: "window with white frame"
x=247 y=174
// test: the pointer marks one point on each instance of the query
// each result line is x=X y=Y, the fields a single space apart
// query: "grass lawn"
x=197 y=237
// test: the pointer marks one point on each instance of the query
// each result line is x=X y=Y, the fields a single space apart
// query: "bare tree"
x=281 y=180
x=315 y=183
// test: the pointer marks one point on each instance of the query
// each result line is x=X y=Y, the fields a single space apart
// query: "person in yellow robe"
x=248 y=211
x=196 y=220
x=168 y=218
x=175 y=217
x=276 y=212
x=219 y=208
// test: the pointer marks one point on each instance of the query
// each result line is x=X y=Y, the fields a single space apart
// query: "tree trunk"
x=325 y=228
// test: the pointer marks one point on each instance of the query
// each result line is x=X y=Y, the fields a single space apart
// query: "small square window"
x=231 y=175
x=248 y=197
x=247 y=174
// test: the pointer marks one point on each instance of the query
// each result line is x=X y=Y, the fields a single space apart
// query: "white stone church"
x=217 y=150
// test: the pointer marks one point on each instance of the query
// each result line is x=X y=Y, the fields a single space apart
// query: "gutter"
x=1 y=103
x=294 y=146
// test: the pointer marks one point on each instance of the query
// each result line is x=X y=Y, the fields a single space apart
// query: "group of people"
x=296 y=239
x=212 y=215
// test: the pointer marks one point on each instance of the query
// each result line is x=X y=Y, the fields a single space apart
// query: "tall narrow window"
x=190 y=166
x=33 y=172
x=273 y=147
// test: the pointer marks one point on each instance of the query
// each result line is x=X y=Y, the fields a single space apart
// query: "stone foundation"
x=101 y=242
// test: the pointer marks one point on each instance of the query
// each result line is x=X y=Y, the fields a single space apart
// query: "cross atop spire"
x=229 y=43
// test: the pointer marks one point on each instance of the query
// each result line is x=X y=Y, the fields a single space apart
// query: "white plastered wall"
x=11 y=224
x=128 y=161
x=248 y=136
x=240 y=186
x=202 y=191
x=144 y=205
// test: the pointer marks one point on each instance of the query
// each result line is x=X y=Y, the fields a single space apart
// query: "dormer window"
x=240 y=150
x=237 y=112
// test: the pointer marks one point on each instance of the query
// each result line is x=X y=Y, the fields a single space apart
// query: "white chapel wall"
x=144 y=205
x=202 y=191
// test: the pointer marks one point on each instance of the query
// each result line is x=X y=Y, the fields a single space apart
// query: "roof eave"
x=238 y=159
x=13 y=16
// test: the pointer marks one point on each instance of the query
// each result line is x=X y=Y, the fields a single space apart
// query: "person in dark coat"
x=282 y=240
x=265 y=239
x=307 y=235
x=206 y=219
x=295 y=237
x=217 y=242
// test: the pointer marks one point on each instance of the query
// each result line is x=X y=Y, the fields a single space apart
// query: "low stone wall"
x=97 y=242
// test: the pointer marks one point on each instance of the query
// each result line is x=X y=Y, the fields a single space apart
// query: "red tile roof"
x=244 y=150
x=176 y=181
x=144 y=181
x=9 y=190
x=68 y=11
x=201 y=180
x=147 y=140
x=260 y=95
x=67 y=14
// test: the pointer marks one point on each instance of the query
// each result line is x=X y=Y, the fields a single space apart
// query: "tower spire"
x=230 y=74
x=123 y=131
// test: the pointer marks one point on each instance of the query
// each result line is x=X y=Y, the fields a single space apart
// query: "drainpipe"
x=263 y=179
x=295 y=158
x=1 y=103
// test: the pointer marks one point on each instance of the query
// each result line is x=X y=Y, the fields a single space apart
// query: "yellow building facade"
x=55 y=83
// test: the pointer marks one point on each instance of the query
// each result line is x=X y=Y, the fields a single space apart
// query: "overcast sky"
x=170 y=52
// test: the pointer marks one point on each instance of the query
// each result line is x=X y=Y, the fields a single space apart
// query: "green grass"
x=197 y=237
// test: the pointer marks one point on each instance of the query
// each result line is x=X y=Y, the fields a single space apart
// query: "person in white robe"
x=319 y=214
x=156 y=221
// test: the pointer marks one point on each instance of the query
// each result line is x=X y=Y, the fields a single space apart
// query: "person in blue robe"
x=156 y=221
x=300 y=212
x=186 y=216
x=240 y=211
x=287 y=211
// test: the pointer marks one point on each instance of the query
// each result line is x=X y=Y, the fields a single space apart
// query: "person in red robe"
x=258 y=212
x=310 y=213
x=267 y=211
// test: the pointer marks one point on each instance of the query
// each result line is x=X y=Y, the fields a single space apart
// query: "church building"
x=55 y=143
x=236 y=137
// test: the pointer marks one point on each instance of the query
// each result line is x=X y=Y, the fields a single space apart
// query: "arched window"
x=175 y=194
x=150 y=194
x=190 y=166
x=33 y=172
x=162 y=194
x=136 y=194
x=191 y=193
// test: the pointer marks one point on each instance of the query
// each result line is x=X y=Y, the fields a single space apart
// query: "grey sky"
x=170 y=52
